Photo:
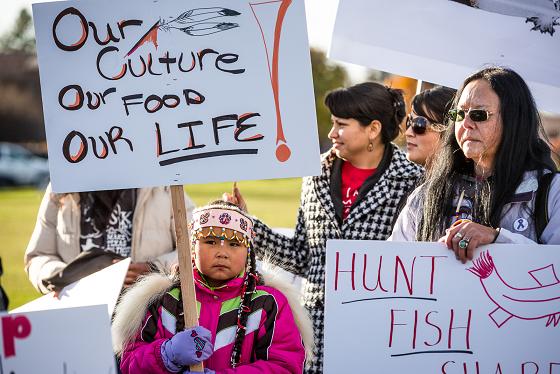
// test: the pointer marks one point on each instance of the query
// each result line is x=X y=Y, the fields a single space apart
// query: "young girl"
x=245 y=325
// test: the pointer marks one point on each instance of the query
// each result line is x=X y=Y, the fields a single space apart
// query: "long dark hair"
x=369 y=101
x=252 y=279
x=522 y=148
x=434 y=103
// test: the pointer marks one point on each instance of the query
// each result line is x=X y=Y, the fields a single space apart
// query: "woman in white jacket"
x=135 y=223
x=483 y=183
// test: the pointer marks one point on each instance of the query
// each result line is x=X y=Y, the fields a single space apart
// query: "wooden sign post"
x=185 y=261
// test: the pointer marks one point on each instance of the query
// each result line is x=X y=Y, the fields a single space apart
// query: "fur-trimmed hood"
x=133 y=305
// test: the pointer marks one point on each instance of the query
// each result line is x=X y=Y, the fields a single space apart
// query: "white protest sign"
x=62 y=341
x=141 y=93
x=443 y=41
x=413 y=308
x=102 y=287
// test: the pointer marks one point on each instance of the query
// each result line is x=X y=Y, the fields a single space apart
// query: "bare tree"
x=21 y=37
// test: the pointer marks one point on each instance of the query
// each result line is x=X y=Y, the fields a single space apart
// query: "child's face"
x=220 y=262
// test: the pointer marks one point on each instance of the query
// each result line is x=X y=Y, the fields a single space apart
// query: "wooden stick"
x=185 y=262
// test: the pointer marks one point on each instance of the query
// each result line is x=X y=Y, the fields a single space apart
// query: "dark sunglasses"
x=419 y=124
x=476 y=115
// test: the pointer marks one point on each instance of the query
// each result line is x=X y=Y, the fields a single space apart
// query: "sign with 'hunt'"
x=413 y=308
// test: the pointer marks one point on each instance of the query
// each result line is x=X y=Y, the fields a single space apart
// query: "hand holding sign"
x=235 y=198
x=186 y=348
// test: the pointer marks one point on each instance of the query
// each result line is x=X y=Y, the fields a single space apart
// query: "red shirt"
x=352 y=180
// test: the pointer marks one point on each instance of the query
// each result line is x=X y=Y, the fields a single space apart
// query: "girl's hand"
x=187 y=348
x=464 y=236
x=236 y=198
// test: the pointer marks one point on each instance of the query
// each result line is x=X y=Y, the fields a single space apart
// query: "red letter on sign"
x=12 y=328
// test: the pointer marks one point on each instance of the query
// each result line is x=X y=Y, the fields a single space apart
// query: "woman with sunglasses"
x=483 y=183
x=364 y=176
x=425 y=123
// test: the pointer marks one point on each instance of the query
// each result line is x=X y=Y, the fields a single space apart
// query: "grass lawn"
x=274 y=201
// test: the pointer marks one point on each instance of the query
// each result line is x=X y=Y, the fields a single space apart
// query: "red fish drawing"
x=541 y=301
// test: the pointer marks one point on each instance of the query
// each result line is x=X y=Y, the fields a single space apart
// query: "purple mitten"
x=187 y=348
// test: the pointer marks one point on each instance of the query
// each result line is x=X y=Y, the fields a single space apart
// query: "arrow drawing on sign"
x=541 y=301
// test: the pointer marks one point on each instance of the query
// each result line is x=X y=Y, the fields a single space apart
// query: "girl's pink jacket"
x=272 y=344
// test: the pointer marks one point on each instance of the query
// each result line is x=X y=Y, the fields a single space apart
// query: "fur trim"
x=133 y=306
x=272 y=277
x=134 y=303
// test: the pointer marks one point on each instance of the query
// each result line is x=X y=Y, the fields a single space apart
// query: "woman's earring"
x=370 y=147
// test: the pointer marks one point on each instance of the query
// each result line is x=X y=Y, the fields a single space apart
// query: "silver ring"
x=463 y=243
x=459 y=235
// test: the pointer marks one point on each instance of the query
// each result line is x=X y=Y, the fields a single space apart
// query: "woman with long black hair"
x=483 y=185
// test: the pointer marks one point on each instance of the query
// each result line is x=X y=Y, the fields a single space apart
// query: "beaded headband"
x=219 y=219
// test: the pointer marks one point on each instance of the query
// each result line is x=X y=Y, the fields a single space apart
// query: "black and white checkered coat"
x=370 y=218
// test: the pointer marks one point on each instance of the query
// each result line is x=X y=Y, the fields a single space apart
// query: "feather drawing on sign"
x=540 y=301
x=196 y=22
x=193 y=22
x=543 y=14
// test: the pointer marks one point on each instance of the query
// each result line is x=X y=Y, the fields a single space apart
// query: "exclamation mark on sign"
x=282 y=149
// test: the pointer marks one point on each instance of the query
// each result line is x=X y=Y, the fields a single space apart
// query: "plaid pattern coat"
x=319 y=218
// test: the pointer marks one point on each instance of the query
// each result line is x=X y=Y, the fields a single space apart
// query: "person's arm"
x=474 y=235
x=41 y=258
x=278 y=344
x=406 y=224
x=143 y=353
x=155 y=351
x=143 y=357
x=508 y=237
x=290 y=253
x=551 y=233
